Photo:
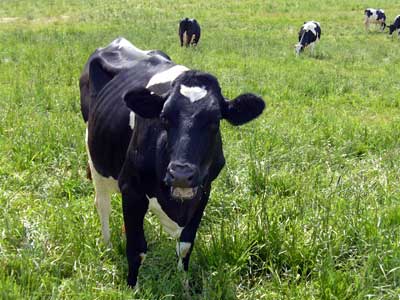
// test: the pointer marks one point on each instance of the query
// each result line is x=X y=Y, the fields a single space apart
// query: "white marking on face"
x=170 y=226
x=194 y=93
x=297 y=48
x=132 y=120
x=182 y=249
x=167 y=75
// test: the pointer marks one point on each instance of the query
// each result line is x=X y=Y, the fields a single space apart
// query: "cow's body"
x=374 y=16
x=309 y=35
x=189 y=32
x=163 y=151
x=395 y=26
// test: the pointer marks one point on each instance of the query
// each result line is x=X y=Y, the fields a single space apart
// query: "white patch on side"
x=311 y=26
x=132 y=120
x=104 y=187
x=170 y=226
x=194 y=93
x=167 y=75
x=182 y=249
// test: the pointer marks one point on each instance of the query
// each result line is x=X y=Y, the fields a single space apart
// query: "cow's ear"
x=144 y=103
x=99 y=75
x=242 y=109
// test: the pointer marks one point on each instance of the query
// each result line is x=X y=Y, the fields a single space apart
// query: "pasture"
x=308 y=204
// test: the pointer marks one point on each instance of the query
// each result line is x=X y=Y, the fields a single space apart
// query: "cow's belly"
x=170 y=226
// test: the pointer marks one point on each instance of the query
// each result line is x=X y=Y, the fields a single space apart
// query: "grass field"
x=308 y=205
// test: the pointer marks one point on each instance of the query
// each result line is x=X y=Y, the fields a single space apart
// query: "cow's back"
x=119 y=55
x=110 y=122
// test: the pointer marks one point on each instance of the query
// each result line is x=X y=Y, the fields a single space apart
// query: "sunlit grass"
x=307 y=206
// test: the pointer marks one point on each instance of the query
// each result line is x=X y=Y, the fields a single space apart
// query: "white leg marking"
x=169 y=225
x=182 y=249
x=103 y=188
x=132 y=120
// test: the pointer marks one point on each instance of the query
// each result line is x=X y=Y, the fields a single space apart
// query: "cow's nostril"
x=181 y=174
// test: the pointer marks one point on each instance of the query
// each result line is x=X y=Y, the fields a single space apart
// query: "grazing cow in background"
x=309 y=35
x=395 y=26
x=189 y=32
x=153 y=135
x=374 y=16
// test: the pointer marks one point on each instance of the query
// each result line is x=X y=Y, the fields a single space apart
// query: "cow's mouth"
x=184 y=193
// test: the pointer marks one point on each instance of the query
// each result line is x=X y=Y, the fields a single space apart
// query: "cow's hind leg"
x=104 y=187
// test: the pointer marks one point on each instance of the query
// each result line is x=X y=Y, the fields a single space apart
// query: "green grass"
x=308 y=205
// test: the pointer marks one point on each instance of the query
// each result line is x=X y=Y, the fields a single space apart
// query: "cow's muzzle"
x=183 y=193
x=183 y=179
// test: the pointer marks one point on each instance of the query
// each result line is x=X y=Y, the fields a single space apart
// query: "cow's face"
x=392 y=28
x=298 y=48
x=190 y=116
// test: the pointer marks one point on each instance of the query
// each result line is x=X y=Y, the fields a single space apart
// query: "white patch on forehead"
x=132 y=120
x=170 y=226
x=194 y=93
x=167 y=75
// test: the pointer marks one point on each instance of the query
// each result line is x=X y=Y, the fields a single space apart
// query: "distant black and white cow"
x=309 y=35
x=189 y=32
x=374 y=16
x=395 y=26
x=153 y=135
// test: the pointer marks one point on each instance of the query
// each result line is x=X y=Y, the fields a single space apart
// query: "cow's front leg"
x=134 y=206
x=186 y=241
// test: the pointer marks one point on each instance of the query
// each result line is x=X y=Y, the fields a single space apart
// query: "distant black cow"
x=374 y=16
x=309 y=35
x=189 y=32
x=153 y=135
x=395 y=26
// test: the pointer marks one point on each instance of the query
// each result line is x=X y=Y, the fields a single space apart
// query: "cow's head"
x=392 y=28
x=298 y=48
x=190 y=115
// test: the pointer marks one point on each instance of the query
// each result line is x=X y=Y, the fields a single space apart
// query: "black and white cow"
x=395 y=26
x=189 y=32
x=153 y=135
x=309 y=35
x=374 y=16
